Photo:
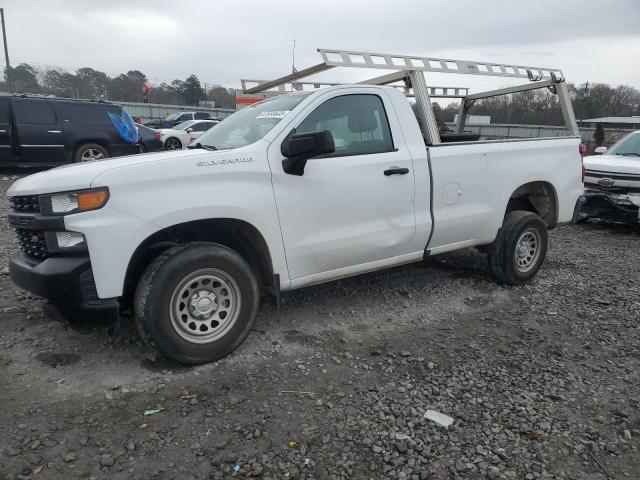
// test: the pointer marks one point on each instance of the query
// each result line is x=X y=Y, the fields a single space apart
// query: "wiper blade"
x=629 y=154
x=205 y=147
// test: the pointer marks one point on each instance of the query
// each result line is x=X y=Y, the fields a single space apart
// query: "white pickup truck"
x=299 y=189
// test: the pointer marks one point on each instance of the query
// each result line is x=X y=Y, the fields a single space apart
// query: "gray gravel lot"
x=542 y=381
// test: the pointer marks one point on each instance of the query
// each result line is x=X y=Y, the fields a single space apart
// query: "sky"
x=222 y=41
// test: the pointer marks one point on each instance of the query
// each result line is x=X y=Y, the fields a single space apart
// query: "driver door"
x=356 y=205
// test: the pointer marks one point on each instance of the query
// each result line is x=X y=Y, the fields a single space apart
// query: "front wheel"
x=196 y=303
x=519 y=249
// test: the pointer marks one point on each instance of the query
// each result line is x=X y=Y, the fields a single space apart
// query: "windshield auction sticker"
x=273 y=114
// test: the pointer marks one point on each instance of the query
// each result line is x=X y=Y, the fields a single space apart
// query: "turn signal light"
x=92 y=200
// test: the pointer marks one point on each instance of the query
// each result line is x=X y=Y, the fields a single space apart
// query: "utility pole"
x=6 y=50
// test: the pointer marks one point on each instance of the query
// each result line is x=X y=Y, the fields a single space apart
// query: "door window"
x=4 y=110
x=185 y=116
x=202 y=126
x=358 y=123
x=34 y=112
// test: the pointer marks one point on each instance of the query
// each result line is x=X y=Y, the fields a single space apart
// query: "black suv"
x=44 y=131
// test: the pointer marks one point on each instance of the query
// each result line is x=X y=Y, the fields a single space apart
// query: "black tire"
x=84 y=152
x=155 y=308
x=172 y=143
x=505 y=265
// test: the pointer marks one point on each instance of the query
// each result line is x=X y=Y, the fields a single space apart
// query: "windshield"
x=183 y=125
x=251 y=123
x=173 y=116
x=628 y=146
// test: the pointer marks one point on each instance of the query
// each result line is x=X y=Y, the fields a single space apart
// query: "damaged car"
x=612 y=183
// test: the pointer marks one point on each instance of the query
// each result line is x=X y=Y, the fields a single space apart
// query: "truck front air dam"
x=67 y=282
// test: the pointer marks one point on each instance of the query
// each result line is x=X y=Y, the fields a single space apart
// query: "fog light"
x=69 y=239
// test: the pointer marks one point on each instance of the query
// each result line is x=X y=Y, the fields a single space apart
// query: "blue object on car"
x=125 y=126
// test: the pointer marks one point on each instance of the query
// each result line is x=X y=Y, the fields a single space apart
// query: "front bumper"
x=607 y=206
x=67 y=281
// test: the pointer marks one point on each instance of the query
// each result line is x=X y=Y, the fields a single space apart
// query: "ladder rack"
x=409 y=69
x=434 y=92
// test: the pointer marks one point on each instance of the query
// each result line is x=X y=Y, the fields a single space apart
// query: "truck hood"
x=613 y=164
x=81 y=175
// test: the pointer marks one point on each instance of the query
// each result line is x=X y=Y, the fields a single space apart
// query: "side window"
x=35 y=112
x=202 y=126
x=4 y=110
x=358 y=123
x=185 y=116
x=89 y=114
x=201 y=115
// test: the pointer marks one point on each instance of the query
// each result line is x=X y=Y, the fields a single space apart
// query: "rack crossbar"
x=508 y=90
x=292 y=77
x=346 y=58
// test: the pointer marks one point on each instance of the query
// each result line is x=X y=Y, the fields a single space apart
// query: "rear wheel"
x=196 y=303
x=172 y=143
x=519 y=249
x=90 y=151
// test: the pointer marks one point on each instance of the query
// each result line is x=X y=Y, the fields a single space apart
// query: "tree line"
x=534 y=107
x=88 y=83
x=540 y=107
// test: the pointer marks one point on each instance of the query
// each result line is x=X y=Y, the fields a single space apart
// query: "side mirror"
x=189 y=130
x=300 y=147
x=600 y=150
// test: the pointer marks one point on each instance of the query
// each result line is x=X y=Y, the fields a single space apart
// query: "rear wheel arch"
x=538 y=197
x=238 y=235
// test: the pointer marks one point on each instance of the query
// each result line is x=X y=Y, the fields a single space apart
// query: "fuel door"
x=451 y=193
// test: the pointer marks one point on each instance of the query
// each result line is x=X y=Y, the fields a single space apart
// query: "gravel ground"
x=542 y=381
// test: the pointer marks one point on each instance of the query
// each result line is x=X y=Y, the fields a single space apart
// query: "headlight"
x=82 y=201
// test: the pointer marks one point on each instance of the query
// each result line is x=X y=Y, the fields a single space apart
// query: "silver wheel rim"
x=173 y=144
x=91 y=154
x=528 y=249
x=205 y=305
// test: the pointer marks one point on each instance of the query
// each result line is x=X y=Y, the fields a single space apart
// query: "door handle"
x=396 y=171
x=54 y=131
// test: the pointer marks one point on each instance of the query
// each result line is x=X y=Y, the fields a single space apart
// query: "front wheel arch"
x=238 y=235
